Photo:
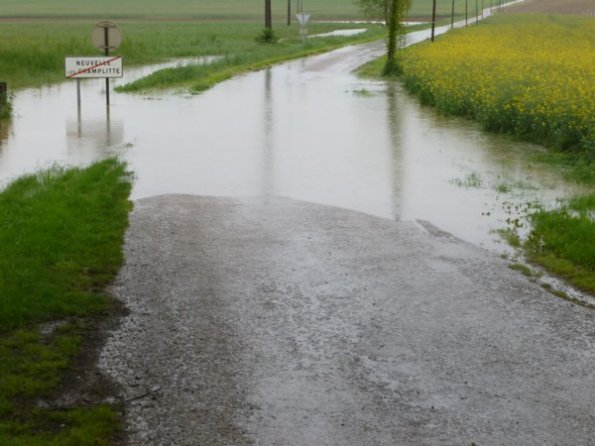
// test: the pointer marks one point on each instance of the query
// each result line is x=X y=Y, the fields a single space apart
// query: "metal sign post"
x=106 y=36
x=303 y=18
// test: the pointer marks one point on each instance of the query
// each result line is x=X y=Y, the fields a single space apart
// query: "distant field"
x=577 y=7
x=233 y=10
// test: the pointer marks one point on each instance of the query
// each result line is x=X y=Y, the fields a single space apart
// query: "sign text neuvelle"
x=94 y=67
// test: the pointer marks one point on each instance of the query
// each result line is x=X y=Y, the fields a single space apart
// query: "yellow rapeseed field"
x=532 y=75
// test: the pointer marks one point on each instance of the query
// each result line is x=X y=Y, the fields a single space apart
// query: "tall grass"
x=60 y=242
x=61 y=235
x=563 y=241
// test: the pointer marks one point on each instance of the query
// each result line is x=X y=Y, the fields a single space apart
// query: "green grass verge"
x=563 y=241
x=247 y=55
x=61 y=235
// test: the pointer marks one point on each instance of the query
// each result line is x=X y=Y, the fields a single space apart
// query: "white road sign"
x=92 y=67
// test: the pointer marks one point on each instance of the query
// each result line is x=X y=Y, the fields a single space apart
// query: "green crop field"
x=235 y=10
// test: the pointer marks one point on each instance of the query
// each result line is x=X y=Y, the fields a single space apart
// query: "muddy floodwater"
x=307 y=129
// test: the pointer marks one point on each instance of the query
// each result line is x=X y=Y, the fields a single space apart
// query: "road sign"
x=106 y=36
x=92 y=67
x=303 y=18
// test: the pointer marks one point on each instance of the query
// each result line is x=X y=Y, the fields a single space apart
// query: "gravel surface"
x=270 y=321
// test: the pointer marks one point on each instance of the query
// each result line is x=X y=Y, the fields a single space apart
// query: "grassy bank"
x=247 y=54
x=530 y=76
x=61 y=234
x=563 y=241
x=32 y=53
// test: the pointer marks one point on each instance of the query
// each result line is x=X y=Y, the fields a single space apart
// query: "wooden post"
x=452 y=15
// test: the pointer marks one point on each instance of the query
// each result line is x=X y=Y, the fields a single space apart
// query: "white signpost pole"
x=78 y=93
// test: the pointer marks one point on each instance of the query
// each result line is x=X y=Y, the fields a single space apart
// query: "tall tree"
x=392 y=12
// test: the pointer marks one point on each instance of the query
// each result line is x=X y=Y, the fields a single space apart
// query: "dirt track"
x=578 y=7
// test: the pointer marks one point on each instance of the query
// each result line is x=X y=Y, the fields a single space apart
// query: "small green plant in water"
x=472 y=180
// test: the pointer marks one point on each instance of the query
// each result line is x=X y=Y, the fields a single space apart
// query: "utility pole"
x=288 y=12
x=452 y=15
x=268 y=17
x=466 y=13
x=433 y=18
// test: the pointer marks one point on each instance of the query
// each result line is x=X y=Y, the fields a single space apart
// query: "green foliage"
x=563 y=241
x=31 y=367
x=61 y=233
x=267 y=35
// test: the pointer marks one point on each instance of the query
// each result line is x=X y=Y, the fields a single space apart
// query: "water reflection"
x=268 y=171
x=5 y=125
x=90 y=138
x=396 y=131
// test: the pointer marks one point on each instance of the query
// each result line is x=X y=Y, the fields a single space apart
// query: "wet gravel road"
x=270 y=321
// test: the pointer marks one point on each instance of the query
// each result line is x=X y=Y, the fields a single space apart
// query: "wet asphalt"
x=272 y=321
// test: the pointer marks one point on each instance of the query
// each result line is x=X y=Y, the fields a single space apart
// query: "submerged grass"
x=61 y=233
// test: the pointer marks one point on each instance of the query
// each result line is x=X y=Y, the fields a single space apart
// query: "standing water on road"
x=307 y=129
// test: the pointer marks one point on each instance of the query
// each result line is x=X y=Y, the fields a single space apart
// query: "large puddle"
x=307 y=129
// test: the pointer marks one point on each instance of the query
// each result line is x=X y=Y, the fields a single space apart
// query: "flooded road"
x=259 y=319
x=287 y=323
x=307 y=129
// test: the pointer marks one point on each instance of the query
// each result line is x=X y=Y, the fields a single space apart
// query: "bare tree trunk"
x=268 y=17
